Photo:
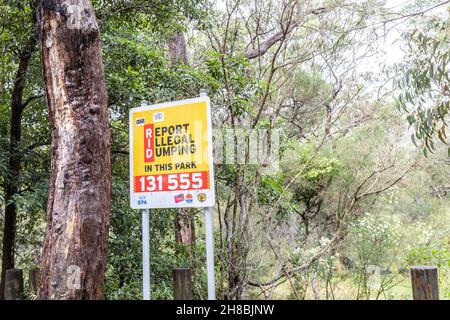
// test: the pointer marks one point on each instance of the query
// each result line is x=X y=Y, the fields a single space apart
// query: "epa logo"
x=158 y=116
x=140 y=121
x=141 y=201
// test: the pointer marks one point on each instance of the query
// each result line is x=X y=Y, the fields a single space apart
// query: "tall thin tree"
x=184 y=220
x=11 y=185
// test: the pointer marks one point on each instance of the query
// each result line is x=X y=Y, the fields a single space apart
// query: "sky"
x=392 y=49
x=393 y=52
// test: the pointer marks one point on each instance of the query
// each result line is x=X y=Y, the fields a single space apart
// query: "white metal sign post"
x=171 y=166
x=210 y=254
x=146 y=254
x=209 y=246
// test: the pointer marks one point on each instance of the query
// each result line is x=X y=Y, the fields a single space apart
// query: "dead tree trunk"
x=74 y=255
x=11 y=185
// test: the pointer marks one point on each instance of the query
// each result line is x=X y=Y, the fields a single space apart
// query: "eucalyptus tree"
x=425 y=78
x=74 y=254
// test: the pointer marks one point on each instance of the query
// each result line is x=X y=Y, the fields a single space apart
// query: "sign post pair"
x=171 y=166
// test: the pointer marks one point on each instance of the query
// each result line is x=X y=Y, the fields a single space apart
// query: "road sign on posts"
x=171 y=166
x=171 y=160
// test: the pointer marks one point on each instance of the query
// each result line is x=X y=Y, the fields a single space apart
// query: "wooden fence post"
x=425 y=282
x=182 y=284
x=13 y=284
x=33 y=280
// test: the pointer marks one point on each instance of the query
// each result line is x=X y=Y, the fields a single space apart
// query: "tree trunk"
x=185 y=227
x=184 y=220
x=177 y=49
x=74 y=255
x=11 y=184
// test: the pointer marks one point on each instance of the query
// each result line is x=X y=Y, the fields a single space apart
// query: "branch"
x=38 y=144
x=402 y=16
x=29 y=100
x=390 y=185
x=335 y=240
x=120 y=152
x=290 y=272
x=266 y=45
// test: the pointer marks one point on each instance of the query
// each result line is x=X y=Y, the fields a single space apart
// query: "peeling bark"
x=74 y=255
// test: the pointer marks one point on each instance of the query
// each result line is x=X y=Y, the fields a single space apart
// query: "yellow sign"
x=171 y=162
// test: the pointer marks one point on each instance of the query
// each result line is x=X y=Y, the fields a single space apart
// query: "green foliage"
x=315 y=174
x=425 y=83
x=270 y=189
x=234 y=74
x=16 y=27
x=436 y=253
x=374 y=236
x=136 y=69
x=153 y=15
x=375 y=241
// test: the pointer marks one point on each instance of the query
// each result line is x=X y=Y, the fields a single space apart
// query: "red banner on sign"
x=172 y=182
x=149 y=148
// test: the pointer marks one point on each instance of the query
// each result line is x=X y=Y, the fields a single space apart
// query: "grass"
x=346 y=288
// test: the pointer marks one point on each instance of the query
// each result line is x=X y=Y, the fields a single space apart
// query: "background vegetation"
x=362 y=190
